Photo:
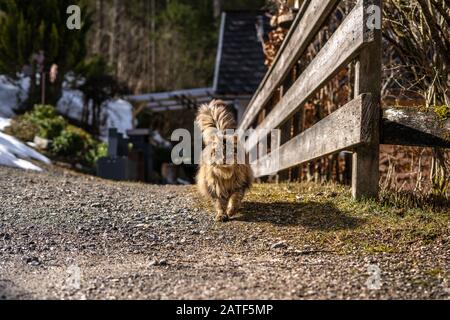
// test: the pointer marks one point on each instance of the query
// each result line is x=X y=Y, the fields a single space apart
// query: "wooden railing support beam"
x=365 y=164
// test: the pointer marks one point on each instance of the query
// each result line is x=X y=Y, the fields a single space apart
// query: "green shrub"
x=69 y=143
x=22 y=129
x=96 y=152
x=42 y=112
x=50 y=124
x=79 y=145
x=52 y=128
x=41 y=121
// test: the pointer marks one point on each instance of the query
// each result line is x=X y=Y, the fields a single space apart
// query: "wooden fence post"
x=365 y=164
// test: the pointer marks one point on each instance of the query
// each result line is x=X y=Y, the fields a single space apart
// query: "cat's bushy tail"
x=214 y=117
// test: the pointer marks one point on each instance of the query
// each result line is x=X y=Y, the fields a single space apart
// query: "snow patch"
x=4 y=122
x=21 y=150
x=14 y=153
x=71 y=104
x=11 y=94
x=118 y=114
x=10 y=160
x=115 y=113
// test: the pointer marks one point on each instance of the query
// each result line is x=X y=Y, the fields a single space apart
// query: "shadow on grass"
x=311 y=215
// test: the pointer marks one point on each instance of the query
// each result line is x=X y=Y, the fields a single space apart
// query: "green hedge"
x=69 y=142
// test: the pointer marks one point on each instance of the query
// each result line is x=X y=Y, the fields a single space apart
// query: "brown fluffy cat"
x=224 y=184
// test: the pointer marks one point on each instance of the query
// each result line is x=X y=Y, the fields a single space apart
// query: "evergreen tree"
x=98 y=86
x=30 y=29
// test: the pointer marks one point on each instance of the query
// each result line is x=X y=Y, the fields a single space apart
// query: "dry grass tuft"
x=327 y=218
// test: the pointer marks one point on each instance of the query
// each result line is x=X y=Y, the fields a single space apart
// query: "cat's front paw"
x=221 y=217
x=232 y=212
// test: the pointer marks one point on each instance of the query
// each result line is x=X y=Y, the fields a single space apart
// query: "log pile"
x=281 y=22
x=272 y=46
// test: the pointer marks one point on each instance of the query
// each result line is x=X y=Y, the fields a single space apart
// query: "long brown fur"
x=224 y=184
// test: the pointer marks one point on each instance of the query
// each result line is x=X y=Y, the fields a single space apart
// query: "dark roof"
x=240 y=58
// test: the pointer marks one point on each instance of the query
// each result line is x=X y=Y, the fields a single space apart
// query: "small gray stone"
x=279 y=245
x=33 y=261
x=155 y=262
x=163 y=262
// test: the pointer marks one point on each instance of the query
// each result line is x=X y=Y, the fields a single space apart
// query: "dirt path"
x=69 y=236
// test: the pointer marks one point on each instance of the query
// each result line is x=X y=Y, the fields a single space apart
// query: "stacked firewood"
x=280 y=22
x=272 y=46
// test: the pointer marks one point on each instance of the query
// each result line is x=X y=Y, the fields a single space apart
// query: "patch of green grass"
x=378 y=248
x=442 y=112
x=326 y=216
x=437 y=272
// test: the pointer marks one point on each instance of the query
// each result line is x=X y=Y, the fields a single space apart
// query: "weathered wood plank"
x=305 y=27
x=410 y=127
x=366 y=159
x=341 y=48
x=340 y=130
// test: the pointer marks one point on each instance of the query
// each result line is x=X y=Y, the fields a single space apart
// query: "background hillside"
x=160 y=45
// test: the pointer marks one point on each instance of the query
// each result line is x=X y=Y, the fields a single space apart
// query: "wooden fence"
x=356 y=126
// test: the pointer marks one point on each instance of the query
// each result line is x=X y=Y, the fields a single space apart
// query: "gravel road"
x=70 y=236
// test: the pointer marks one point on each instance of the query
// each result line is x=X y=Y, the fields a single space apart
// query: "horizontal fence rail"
x=407 y=127
x=353 y=126
x=340 y=49
x=308 y=22
x=340 y=130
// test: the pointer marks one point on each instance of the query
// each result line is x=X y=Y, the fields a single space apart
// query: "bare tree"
x=418 y=36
